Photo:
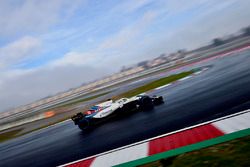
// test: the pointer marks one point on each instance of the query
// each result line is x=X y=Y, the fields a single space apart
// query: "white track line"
x=143 y=141
x=187 y=77
x=140 y=151
x=162 y=86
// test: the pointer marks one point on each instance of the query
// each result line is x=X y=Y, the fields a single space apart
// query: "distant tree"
x=124 y=68
x=162 y=55
x=246 y=31
x=217 y=42
x=181 y=51
x=143 y=64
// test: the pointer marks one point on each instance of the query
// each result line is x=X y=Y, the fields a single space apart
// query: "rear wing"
x=77 y=117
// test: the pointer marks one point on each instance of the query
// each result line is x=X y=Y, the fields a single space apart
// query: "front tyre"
x=146 y=103
x=157 y=100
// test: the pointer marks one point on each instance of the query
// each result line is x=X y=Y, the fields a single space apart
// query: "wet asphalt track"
x=219 y=91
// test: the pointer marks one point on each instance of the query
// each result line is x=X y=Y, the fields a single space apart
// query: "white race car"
x=109 y=109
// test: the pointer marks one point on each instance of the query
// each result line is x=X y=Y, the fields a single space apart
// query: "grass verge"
x=130 y=93
x=235 y=153
x=9 y=135
x=154 y=84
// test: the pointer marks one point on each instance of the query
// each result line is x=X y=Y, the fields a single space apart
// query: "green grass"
x=136 y=91
x=154 y=84
x=12 y=134
x=9 y=135
x=235 y=153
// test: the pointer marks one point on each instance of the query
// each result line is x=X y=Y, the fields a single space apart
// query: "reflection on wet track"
x=221 y=90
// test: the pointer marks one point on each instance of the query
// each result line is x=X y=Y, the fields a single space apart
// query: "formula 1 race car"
x=109 y=109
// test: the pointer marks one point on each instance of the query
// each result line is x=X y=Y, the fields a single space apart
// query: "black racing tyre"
x=128 y=107
x=146 y=103
x=84 y=124
x=157 y=100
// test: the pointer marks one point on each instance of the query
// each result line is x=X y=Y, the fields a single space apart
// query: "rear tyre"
x=84 y=124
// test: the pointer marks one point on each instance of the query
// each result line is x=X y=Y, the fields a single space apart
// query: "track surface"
x=219 y=91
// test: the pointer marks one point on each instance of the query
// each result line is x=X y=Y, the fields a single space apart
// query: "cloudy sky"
x=48 y=46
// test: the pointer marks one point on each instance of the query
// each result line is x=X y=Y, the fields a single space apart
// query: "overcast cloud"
x=51 y=46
